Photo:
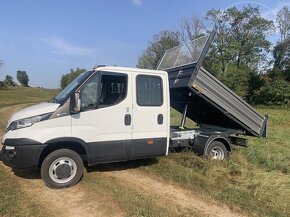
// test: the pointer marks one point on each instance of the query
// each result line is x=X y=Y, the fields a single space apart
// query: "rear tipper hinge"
x=198 y=89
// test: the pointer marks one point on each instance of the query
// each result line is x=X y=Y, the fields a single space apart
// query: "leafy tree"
x=9 y=81
x=69 y=77
x=22 y=77
x=2 y=85
x=192 y=28
x=241 y=36
x=281 y=54
x=274 y=93
x=241 y=46
x=161 y=42
x=283 y=21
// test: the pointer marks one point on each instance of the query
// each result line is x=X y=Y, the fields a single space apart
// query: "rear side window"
x=149 y=90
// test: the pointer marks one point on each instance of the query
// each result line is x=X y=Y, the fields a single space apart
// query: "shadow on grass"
x=27 y=173
x=119 y=166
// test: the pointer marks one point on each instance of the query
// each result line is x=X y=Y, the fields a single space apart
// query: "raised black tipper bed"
x=221 y=115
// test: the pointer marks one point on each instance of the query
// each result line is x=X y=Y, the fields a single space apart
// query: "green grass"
x=273 y=153
x=14 y=202
x=21 y=95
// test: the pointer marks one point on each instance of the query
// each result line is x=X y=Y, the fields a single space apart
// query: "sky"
x=48 y=38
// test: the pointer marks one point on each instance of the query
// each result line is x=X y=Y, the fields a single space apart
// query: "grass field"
x=254 y=181
x=19 y=95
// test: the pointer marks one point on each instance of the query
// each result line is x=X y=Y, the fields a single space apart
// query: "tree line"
x=21 y=76
x=241 y=56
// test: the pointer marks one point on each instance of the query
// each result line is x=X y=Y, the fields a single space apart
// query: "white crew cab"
x=106 y=114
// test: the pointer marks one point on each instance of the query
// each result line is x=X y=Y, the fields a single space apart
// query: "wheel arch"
x=202 y=142
x=74 y=144
x=220 y=138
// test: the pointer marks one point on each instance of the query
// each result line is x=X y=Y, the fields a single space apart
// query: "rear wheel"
x=217 y=151
x=62 y=169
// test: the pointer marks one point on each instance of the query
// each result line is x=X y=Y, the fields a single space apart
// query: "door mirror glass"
x=76 y=103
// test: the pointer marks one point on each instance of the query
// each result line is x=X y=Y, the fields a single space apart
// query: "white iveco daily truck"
x=114 y=114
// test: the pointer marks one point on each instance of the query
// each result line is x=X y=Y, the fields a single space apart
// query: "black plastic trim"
x=20 y=141
x=123 y=150
x=29 y=152
x=26 y=156
x=73 y=139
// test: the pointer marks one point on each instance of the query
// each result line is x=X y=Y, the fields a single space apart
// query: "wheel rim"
x=62 y=170
x=217 y=153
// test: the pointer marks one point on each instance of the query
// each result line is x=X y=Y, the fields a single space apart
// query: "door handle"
x=160 y=119
x=127 y=119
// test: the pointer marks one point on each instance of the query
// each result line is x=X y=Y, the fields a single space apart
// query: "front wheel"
x=217 y=151
x=62 y=169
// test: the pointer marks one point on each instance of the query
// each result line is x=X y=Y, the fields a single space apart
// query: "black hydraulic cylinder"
x=183 y=117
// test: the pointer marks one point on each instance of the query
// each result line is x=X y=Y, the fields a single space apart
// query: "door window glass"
x=89 y=94
x=113 y=88
x=149 y=90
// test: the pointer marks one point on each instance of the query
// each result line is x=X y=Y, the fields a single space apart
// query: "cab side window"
x=113 y=89
x=149 y=90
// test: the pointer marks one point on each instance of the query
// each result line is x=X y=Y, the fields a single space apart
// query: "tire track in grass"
x=135 y=202
x=170 y=193
x=76 y=201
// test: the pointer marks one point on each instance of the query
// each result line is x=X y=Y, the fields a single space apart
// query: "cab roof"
x=128 y=70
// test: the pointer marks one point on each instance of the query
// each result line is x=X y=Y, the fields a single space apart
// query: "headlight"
x=27 y=122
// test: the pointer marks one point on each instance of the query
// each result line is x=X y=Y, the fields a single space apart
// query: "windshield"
x=63 y=95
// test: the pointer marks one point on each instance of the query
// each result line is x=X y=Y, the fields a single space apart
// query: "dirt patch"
x=71 y=202
x=185 y=199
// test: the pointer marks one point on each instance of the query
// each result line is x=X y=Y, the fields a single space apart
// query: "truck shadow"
x=35 y=173
x=119 y=166
x=27 y=173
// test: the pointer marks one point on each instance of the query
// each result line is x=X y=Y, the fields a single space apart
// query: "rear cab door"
x=151 y=114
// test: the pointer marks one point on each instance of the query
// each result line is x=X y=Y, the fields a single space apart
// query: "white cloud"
x=137 y=2
x=63 y=47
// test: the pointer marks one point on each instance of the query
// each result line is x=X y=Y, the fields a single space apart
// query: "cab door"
x=150 y=133
x=104 y=122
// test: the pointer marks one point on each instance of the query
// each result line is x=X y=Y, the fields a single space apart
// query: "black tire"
x=217 y=151
x=62 y=168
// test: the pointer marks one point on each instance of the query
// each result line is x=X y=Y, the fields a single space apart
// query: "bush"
x=2 y=85
x=69 y=77
x=274 y=93
x=237 y=79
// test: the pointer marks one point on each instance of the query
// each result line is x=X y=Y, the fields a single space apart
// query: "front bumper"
x=26 y=153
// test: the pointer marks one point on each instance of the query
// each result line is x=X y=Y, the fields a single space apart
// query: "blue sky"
x=48 y=38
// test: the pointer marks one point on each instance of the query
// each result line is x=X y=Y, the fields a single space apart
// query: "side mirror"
x=76 y=104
